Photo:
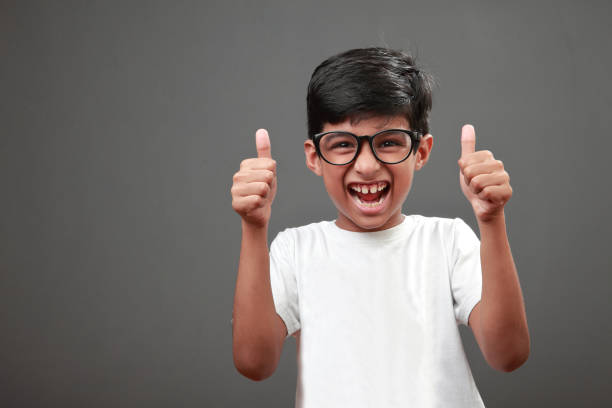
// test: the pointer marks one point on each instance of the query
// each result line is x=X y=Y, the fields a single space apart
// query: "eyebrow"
x=377 y=131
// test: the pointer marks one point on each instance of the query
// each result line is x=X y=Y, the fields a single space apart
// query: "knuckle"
x=468 y=173
x=499 y=164
x=257 y=201
x=246 y=163
x=264 y=189
x=476 y=183
x=237 y=205
x=249 y=204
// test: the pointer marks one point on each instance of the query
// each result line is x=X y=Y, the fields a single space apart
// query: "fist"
x=484 y=181
x=254 y=185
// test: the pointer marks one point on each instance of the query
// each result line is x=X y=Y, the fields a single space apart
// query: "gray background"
x=122 y=124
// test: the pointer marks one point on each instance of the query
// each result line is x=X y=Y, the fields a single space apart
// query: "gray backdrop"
x=122 y=124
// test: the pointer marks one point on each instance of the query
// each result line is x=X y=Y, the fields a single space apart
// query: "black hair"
x=366 y=82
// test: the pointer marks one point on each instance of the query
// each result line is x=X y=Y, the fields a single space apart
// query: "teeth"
x=373 y=188
x=374 y=204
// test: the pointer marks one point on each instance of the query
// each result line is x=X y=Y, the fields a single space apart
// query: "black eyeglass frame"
x=415 y=138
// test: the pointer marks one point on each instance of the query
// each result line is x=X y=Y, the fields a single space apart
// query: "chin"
x=367 y=224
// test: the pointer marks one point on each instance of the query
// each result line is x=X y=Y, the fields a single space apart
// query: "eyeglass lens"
x=389 y=146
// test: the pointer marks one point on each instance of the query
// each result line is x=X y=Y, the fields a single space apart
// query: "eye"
x=340 y=145
x=338 y=142
x=388 y=143
x=391 y=140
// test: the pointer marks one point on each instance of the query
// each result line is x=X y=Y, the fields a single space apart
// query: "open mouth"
x=369 y=195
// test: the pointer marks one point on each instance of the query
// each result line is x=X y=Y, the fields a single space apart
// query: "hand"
x=484 y=182
x=254 y=185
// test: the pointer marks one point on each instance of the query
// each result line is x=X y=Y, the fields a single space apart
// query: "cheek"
x=403 y=183
x=334 y=183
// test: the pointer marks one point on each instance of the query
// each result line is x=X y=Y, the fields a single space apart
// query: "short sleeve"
x=284 y=282
x=466 y=272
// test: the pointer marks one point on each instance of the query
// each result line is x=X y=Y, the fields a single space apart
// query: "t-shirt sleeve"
x=466 y=272
x=284 y=282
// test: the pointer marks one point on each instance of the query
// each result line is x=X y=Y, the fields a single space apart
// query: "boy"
x=375 y=298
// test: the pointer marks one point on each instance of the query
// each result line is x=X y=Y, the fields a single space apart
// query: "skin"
x=367 y=169
x=258 y=332
x=498 y=321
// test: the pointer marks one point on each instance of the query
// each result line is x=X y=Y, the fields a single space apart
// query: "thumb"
x=468 y=140
x=262 y=141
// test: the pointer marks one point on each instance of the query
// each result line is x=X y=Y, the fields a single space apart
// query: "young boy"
x=375 y=297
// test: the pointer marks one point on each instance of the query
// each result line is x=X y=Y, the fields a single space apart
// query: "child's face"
x=377 y=210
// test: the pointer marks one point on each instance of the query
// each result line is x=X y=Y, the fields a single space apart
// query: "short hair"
x=366 y=82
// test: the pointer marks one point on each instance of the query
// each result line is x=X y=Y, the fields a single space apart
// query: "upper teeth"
x=369 y=188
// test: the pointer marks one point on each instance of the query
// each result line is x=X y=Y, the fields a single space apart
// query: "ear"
x=423 y=151
x=313 y=161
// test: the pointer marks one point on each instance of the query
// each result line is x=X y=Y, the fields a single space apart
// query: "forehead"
x=368 y=125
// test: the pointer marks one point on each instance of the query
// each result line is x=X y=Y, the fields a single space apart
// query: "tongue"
x=370 y=196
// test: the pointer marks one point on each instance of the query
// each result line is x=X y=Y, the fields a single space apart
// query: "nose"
x=366 y=163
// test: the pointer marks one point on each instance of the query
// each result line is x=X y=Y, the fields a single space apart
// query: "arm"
x=258 y=333
x=498 y=321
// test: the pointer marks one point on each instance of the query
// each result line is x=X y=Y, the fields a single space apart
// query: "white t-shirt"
x=376 y=314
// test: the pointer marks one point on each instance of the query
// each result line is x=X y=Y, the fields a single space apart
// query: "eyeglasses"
x=391 y=146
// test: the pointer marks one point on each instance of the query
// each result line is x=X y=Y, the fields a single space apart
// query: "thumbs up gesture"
x=484 y=181
x=254 y=185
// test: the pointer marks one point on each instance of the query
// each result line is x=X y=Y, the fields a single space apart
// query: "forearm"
x=502 y=311
x=254 y=312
